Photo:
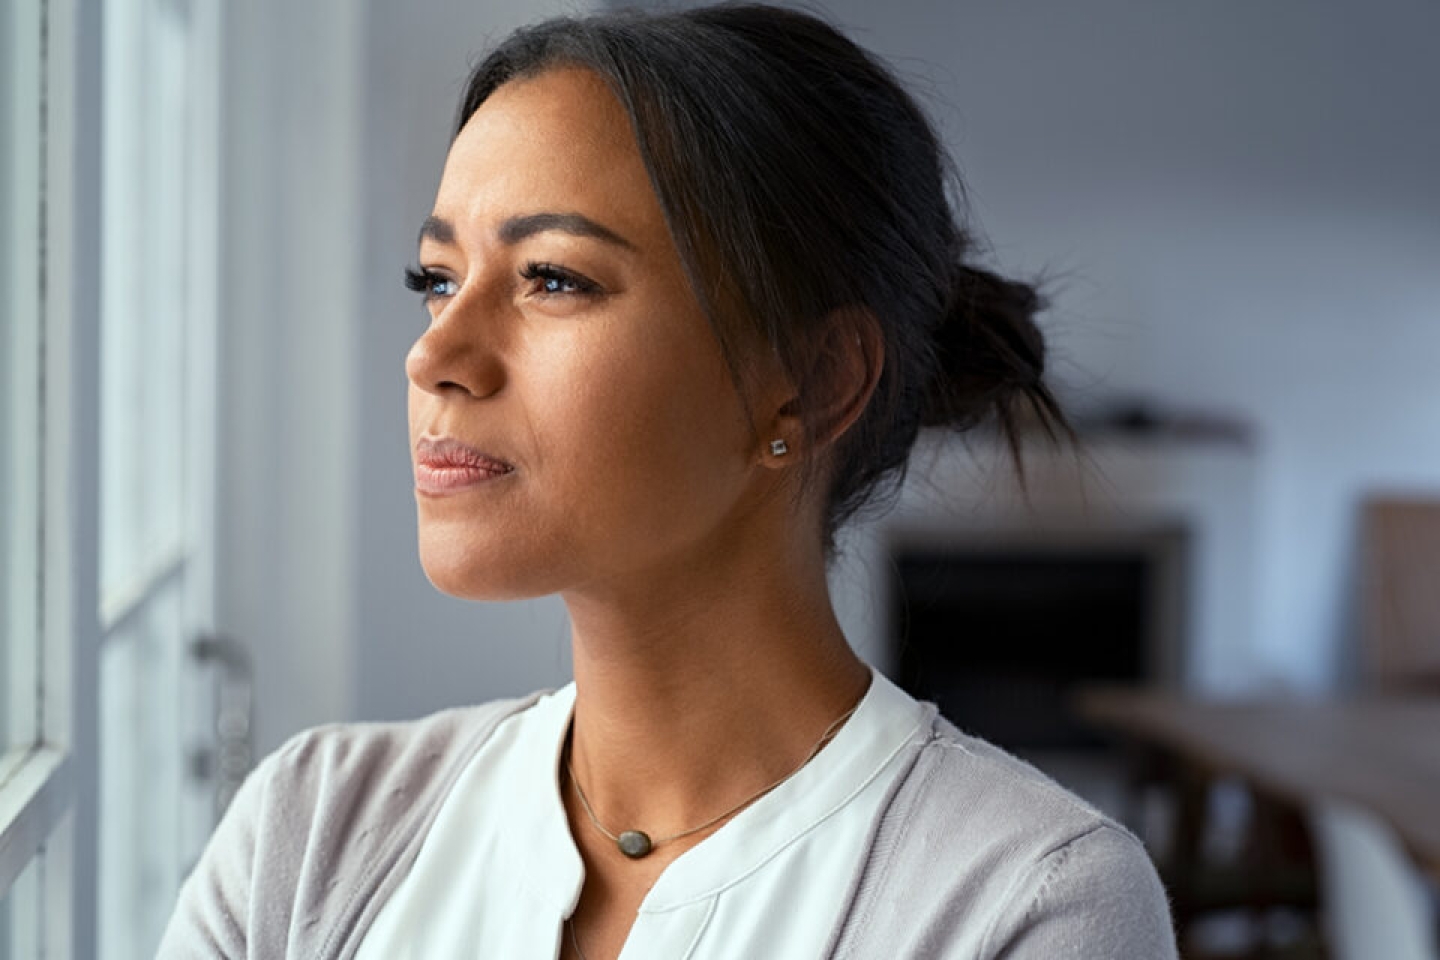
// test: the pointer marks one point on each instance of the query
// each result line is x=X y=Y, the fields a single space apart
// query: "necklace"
x=637 y=843
x=574 y=941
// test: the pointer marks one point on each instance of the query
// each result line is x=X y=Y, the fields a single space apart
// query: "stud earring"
x=779 y=448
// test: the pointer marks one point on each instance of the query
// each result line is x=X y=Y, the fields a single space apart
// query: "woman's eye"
x=430 y=284
x=550 y=280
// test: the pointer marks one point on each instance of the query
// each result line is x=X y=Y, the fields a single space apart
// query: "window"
x=157 y=440
x=42 y=480
x=20 y=158
x=108 y=258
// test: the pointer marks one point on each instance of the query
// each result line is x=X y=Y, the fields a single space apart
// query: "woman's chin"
x=462 y=571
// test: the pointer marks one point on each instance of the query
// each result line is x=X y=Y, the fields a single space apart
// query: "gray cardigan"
x=976 y=854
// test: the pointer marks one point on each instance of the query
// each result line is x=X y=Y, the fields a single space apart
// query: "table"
x=1380 y=753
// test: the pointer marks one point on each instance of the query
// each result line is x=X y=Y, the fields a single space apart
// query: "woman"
x=693 y=287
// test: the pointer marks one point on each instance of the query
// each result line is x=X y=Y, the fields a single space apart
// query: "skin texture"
x=640 y=492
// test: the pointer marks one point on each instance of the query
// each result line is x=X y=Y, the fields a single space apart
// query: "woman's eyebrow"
x=437 y=229
x=515 y=229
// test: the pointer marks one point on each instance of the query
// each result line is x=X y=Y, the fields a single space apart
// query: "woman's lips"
x=444 y=466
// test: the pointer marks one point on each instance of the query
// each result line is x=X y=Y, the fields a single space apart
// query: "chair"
x=1373 y=902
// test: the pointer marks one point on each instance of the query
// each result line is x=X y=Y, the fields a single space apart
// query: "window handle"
x=227 y=762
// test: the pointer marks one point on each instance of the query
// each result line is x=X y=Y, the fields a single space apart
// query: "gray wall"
x=291 y=114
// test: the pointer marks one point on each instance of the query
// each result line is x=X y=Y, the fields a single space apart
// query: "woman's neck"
x=693 y=696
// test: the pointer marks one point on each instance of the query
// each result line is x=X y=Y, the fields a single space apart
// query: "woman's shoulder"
x=981 y=852
x=318 y=827
x=411 y=747
x=356 y=765
x=368 y=780
x=966 y=778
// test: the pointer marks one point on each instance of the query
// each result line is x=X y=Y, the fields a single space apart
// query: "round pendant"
x=634 y=844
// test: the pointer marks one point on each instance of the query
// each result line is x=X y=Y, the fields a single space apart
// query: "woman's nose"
x=455 y=355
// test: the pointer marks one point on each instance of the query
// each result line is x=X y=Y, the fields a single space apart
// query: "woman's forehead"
x=559 y=140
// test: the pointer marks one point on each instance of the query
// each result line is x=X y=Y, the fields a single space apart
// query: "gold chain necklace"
x=637 y=843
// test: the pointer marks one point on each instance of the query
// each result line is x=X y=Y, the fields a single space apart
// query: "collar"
x=540 y=843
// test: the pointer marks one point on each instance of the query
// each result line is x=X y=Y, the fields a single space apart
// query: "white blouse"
x=498 y=874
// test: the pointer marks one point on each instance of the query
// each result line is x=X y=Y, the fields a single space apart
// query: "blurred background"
x=1218 y=621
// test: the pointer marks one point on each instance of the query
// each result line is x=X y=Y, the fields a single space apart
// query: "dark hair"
x=798 y=179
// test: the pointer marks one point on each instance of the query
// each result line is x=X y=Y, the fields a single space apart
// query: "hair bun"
x=990 y=353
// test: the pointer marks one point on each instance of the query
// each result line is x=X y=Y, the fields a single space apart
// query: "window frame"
x=47 y=800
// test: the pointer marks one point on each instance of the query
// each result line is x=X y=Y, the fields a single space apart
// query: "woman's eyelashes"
x=430 y=284
x=549 y=280
x=543 y=279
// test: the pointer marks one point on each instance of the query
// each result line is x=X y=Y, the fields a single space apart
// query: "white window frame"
x=47 y=800
x=158 y=426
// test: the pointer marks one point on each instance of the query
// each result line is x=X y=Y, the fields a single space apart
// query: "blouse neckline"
x=551 y=868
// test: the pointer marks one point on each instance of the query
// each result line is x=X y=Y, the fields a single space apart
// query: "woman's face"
x=572 y=418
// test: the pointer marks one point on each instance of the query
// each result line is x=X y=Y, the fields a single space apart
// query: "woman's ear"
x=831 y=389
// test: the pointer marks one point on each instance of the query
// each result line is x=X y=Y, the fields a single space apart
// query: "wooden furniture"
x=1400 y=593
x=1380 y=754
